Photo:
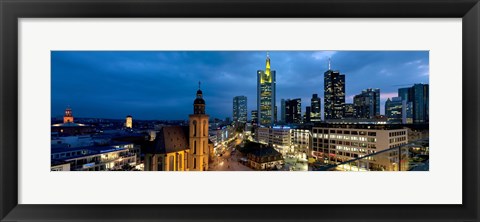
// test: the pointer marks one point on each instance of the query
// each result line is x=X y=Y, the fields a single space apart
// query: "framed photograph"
x=239 y=110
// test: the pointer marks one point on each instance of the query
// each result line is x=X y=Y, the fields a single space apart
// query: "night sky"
x=161 y=85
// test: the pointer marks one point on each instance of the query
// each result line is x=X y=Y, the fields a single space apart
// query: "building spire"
x=199 y=85
x=267 y=67
x=329 y=64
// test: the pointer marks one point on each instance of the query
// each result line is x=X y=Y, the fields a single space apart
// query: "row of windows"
x=347 y=132
x=364 y=145
x=398 y=139
x=399 y=133
x=334 y=136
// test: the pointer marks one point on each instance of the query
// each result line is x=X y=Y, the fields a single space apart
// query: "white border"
x=441 y=185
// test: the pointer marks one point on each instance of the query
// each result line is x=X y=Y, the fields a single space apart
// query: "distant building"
x=293 y=111
x=266 y=95
x=315 y=110
x=128 y=122
x=307 y=117
x=240 y=109
x=254 y=117
x=68 y=117
x=367 y=104
x=418 y=96
x=398 y=111
x=334 y=94
x=349 y=111
x=282 y=107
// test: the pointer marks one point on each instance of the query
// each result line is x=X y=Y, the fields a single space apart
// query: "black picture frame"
x=11 y=11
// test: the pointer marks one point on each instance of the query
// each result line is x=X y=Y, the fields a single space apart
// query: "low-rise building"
x=96 y=158
x=334 y=144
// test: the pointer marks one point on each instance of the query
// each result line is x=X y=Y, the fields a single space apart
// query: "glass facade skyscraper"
x=367 y=104
x=334 y=95
x=240 y=109
x=293 y=109
x=417 y=98
x=266 y=95
x=315 y=109
x=398 y=110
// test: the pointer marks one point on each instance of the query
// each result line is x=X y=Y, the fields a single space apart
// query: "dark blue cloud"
x=162 y=85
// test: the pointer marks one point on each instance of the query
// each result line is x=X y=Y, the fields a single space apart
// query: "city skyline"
x=149 y=85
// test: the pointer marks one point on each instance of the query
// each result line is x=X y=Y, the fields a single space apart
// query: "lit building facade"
x=96 y=158
x=182 y=148
x=334 y=94
x=266 y=95
x=338 y=143
x=254 y=115
x=398 y=111
x=198 y=141
x=293 y=111
x=128 y=122
x=68 y=117
x=367 y=104
x=240 y=109
x=349 y=111
x=315 y=110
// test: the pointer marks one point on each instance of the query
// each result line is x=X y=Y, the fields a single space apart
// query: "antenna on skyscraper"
x=329 y=64
x=268 y=55
x=199 y=85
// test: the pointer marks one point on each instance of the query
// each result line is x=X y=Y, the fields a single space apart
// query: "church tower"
x=68 y=117
x=198 y=141
x=128 y=122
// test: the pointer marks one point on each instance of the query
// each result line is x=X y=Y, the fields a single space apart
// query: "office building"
x=308 y=115
x=315 y=110
x=349 y=111
x=254 y=116
x=367 y=104
x=293 y=109
x=266 y=95
x=398 y=111
x=240 y=109
x=418 y=96
x=334 y=94
x=335 y=144
x=282 y=107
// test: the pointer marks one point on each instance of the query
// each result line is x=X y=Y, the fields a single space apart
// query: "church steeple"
x=199 y=151
x=68 y=117
x=199 y=103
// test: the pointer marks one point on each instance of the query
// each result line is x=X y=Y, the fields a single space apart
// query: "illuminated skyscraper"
x=68 y=118
x=334 y=94
x=293 y=109
x=315 y=110
x=254 y=116
x=266 y=95
x=367 y=104
x=240 y=109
